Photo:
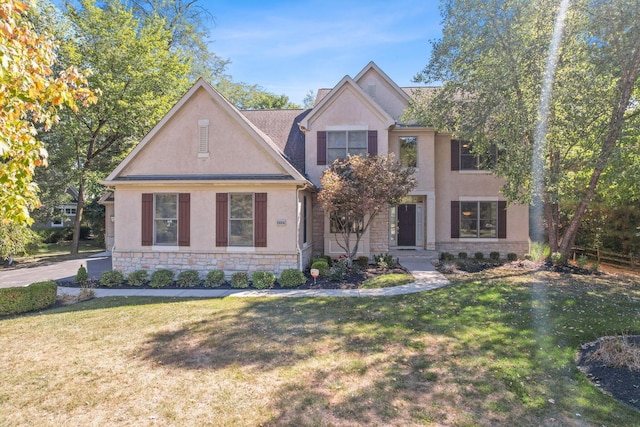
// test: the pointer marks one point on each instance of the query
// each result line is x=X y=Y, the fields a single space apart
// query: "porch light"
x=112 y=218
x=466 y=213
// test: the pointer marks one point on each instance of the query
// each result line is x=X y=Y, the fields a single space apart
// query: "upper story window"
x=341 y=143
x=203 y=137
x=464 y=158
x=408 y=151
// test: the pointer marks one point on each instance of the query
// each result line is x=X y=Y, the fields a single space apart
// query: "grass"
x=494 y=349
x=387 y=280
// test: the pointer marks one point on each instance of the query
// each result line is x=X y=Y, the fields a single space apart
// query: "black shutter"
x=455 y=219
x=322 y=147
x=372 y=142
x=502 y=220
x=147 y=219
x=260 y=220
x=222 y=219
x=455 y=155
x=184 y=219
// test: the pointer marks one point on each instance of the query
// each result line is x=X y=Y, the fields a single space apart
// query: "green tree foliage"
x=356 y=188
x=492 y=57
x=15 y=239
x=31 y=93
x=138 y=76
x=251 y=97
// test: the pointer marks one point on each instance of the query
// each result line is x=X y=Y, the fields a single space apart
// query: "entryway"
x=406 y=224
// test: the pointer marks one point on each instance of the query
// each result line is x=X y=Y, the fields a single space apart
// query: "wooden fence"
x=611 y=258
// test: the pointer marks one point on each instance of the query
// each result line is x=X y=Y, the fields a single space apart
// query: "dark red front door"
x=406 y=225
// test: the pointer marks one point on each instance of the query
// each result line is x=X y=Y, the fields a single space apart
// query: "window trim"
x=400 y=138
x=346 y=132
x=478 y=159
x=251 y=218
x=155 y=243
x=478 y=219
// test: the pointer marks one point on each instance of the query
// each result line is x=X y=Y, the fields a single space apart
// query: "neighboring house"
x=63 y=215
x=214 y=187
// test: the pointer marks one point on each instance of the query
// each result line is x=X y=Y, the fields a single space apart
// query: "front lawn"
x=495 y=348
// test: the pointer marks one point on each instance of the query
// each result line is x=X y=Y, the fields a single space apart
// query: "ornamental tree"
x=31 y=93
x=355 y=189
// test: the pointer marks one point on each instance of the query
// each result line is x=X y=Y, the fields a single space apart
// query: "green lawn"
x=493 y=349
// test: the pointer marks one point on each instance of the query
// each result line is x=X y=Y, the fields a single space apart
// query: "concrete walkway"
x=419 y=264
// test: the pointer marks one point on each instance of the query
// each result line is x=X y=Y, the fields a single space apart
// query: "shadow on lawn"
x=501 y=350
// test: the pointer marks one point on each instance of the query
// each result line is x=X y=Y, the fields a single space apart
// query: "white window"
x=241 y=219
x=165 y=216
x=203 y=136
x=341 y=143
x=479 y=219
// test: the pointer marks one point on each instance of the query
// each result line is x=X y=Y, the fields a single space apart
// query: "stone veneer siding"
x=229 y=262
x=379 y=233
x=519 y=248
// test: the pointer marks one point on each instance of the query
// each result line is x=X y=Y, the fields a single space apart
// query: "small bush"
x=214 y=279
x=462 y=255
x=539 y=251
x=446 y=257
x=320 y=265
x=558 y=259
x=595 y=266
x=338 y=270
x=582 y=261
x=479 y=256
x=291 y=278
x=325 y=258
x=263 y=279
x=23 y=299
x=86 y=293
x=188 y=279
x=383 y=261
x=138 y=278
x=528 y=257
x=161 y=278
x=494 y=256
x=111 y=278
x=362 y=262
x=240 y=280
x=512 y=257
x=82 y=277
x=618 y=352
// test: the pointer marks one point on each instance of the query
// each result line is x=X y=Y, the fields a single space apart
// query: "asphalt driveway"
x=59 y=271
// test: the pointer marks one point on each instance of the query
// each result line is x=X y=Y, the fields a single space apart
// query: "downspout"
x=298 y=248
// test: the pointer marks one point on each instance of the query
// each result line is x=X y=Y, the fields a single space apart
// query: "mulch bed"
x=623 y=384
x=352 y=280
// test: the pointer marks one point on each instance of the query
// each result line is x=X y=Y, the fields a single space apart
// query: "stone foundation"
x=128 y=261
x=379 y=233
x=519 y=248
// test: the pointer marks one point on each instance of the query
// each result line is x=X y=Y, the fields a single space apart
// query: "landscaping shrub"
x=111 y=278
x=214 y=279
x=446 y=257
x=495 y=256
x=263 y=279
x=188 y=279
x=138 y=278
x=161 y=278
x=462 y=255
x=23 y=299
x=595 y=266
x=82 y=277
x=582 y=261
x=240 y=279
x=539 y=251
x=557 y=258
x=512 y=257
x=383 y=261
x=338 y=270
x=321 y=265
x=291 y=278
x=362 y=262
x=479 y=256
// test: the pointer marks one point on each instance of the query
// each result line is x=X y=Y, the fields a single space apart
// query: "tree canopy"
x=356 y=188
x=492 y=59
x=31 y=93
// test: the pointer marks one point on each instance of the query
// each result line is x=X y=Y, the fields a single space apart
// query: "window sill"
x=475 y=172
x=164 y=248
x=479 y=239
x=241 y=248
x=203 y=155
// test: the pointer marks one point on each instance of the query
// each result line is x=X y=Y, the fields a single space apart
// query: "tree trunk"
x=75 y=242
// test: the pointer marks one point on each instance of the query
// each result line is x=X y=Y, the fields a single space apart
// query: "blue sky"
x=291 y=47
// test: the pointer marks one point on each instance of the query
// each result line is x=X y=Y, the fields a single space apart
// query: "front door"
x=407 y=225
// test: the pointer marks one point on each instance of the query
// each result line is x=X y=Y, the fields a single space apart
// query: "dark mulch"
x=352 y=280
x=621 y=383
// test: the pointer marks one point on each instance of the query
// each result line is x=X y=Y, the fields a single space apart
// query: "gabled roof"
x=348 y=82
x=258 y=135
x=372 y=66
x=282 y=127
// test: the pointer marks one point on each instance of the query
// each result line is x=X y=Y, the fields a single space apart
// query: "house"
x=212 y=187
x=63 y=215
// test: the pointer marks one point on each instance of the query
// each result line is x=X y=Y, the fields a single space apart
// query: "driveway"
x=64 y=270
